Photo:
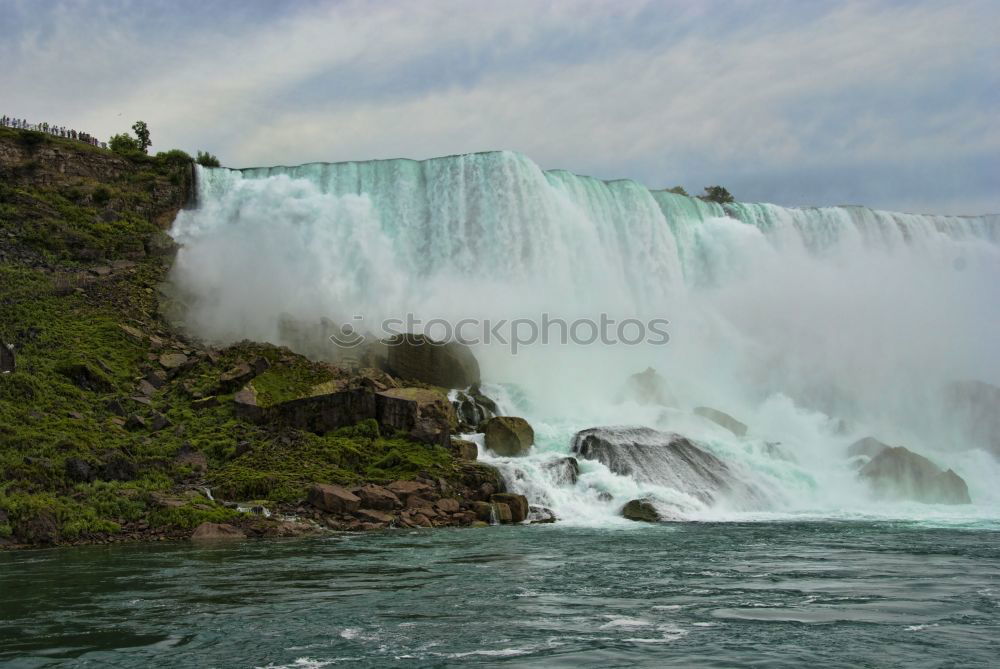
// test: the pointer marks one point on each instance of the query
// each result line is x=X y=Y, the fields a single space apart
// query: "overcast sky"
x=891 y=104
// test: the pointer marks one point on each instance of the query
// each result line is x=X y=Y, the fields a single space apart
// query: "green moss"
x=293 y=379
x=191 y=515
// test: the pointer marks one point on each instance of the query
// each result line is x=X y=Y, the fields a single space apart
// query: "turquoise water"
x=697 y=594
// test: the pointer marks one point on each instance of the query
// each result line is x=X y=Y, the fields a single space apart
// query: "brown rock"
x=403 y=489
x=415 y=502
x=375 y=516
x=518 y=505
x=425 y=414
x=216 y=531
x=333 y=498
x=483 y=511
x=236 y=377
x=421 y=520
x=377 y=497
x=448 y=505
x=503 y=514
x=509 y=436
x=463 y=449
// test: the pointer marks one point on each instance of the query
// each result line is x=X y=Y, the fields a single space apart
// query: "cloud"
x=760 y=97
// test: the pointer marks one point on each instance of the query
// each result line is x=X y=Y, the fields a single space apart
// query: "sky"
x=891 y=104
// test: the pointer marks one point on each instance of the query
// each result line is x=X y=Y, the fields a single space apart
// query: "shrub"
x=173 y=157
x=717 y=194
x=679 y=190
x=125 y=145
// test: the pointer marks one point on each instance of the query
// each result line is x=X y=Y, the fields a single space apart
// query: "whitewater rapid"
x=814 y=326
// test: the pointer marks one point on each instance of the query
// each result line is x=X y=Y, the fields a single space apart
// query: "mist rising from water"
x=793 y=320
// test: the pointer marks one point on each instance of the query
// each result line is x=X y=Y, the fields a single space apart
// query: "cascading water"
x=813 y=326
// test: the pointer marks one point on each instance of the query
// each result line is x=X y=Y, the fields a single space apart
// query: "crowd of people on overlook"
x=56 y=130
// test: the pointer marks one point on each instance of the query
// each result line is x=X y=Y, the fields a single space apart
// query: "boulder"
x=503 y=514
x=173 y=361
x=723 y=419
x=326 y=411
x=483 y=511
x=641 y=510
x=898 y=473
x=668 y=459
x=444 y=364
x=518 y=505
x=648 y=387
x=85 y=377
x=7 y=360
x=447 y=505
x=376 y=497
x=216 y=532
x=118 y=468
x=188 y=456
x=333 y=498
x=540 y=515
x=464 y=449
x=869 y=446
x=375 y=516
x=563 y=471
x=424 y=414
x=509 y=436
x=477 y=475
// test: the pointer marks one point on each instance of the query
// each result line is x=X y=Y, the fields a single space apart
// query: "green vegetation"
x=141 y=131
x=84 y=455
x=717 y=194
x=206 y=159
x=679 y=190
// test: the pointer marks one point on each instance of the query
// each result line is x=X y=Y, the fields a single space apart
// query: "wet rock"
x=670 y=460
x=483 y=511
x=205 y=403
x=540 y=514
x=464 y=449
x=135 y=422
x=509 y=436
x=132 y=333
x=518 y=505
x=564 y=471
x=156 y=378
x=377 y=497
x=898 y=473
x=145 y=388
x=723 y=419
x=869 y=446
x=375 y=516
x=39 y=527
x=503 y=514
x=473 y=408
x=641 y=510
x=333 y=498
x=217 y=532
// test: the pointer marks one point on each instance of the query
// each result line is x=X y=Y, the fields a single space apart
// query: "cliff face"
x=63 y=201
x=113 y=423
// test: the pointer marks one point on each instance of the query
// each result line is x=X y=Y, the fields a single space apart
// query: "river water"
x=829 y=593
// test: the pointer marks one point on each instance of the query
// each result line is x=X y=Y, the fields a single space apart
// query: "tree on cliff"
x=717 y=194
x=206 y=159
x=679 y=190
x=125 y=144
x=142 y=132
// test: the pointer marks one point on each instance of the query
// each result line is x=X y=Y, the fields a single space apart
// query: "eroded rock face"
x=424 y=414
x=449 y=365
x=667 y=459
x=898 y=473
x=509 y=436
x=473 y=408
x=641 y=510
x=465 y=450
x=723 y=419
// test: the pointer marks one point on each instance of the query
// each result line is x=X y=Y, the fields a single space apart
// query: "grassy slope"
x=74 y=358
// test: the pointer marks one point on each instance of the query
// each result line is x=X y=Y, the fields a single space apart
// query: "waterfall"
x=815 y=326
